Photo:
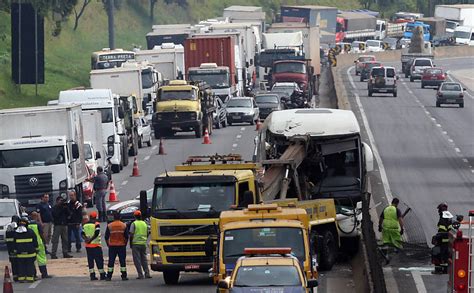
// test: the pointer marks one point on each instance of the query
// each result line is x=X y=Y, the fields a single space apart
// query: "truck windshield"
x=106 y=113
x=204 y=197
x=462 y=34
x=218 y=80
x=290 y=67
x=87 y=152
x=235 y=241
x=7 y=209
x=32 y=157
x=177 y=95
x=264 y=276
x=147 y=79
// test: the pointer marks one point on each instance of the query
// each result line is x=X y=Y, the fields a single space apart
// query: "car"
x=128 y=207
x=220 y=115
x=418 y=66
x=367 y=67
x=433 y=77
x=8 y=208
x=144 y=132
x=404 y=43
x=242 y=110
x=374 y=46
x=268 y=103
x=288 y=87
x=267 y=270
x=359 y=62
x=450 y=93
x=382 y=80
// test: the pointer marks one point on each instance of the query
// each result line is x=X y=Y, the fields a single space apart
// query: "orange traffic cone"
x=135 y=172
x=112 y=195
x=258 y=125
x=161 y=150
x=7 y=281
x=207 y=139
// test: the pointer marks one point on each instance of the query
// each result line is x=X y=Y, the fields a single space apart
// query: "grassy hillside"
x=67 y=57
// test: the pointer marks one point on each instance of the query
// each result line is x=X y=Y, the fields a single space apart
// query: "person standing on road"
x=45 y=211
x=138 y=240
x=445 y=224
x=10 y=241
x=391 y=225
x=60 y=219
x=26 y=247
x=101 y=182
x=92 y=238
x=41 y=255
x=116 y=237
x=74 y=221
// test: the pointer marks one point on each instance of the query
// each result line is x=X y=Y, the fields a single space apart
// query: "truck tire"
x=395 y=93
x=140 y=143
x=125 y=157
x=328 y=251
x=370 y=93
x=198 y=131
x=171 y=277
x=412 y=79
x=224 y=123
x=157 y=132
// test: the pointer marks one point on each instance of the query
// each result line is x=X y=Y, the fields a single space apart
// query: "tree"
x=109 y=7
x=79 y=14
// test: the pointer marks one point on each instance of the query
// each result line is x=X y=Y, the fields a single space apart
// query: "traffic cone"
x=7 y=281
x=207 y=139
x=161 y=150
x=112 y=195
x=258 y=125
x=135 y=172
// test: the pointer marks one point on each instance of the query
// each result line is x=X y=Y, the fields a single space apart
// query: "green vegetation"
x=67 y=56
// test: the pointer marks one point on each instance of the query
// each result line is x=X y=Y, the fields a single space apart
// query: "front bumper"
x=202 y=267
x=240 y=118
x=416 y=75
x=183 y=125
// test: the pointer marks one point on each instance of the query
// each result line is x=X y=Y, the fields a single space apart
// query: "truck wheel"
x=224 y=123
x=125 y=158
x=115 y=168
x=157 y=133
x=370 y=93
x=171 y=277
x=149 y=142
x=411 y=79
x=395 y=94
x=328 y=253
x=140 y=144
x=198 y=131
x=438 y=104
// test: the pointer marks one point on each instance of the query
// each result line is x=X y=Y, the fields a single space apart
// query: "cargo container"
x=168 y=59
x=437 y=25
x=309 y=14
x=237 y=14
x=355 y=26
x=461 y=14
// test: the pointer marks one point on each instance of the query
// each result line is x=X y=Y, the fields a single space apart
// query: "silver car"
x=450 y=93
x=144 y=132
x=8 y=208
x=242 y=110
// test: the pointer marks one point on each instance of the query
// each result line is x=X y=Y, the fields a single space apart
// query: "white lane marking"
x=154 y=147
x=390 y=281
x=420 y=286
x=457 y=150
x=445 y=132
x=438 y=125
x=465 y=160
x=243 y=128
x=146 y=158
x=383 y=174
x=350 y=77
x=124 y=182
x=239 y=136
x=450 y=140
x=33 y=286
x=234 y=145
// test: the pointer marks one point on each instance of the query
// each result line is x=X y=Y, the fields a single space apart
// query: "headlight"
x=63 y=184
x=129 y=210
x=155 y=252
x=4 y=189
x=111 y=139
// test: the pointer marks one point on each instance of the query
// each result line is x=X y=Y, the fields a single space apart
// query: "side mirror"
x=75 y=151
x=209 y=247
x=223 y=284
x=97 y=155
x=311 y=283
x=369 y=157
x=464 y=89
x=144 y=203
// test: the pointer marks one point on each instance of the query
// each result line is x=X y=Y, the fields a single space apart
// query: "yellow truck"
x=183 y=106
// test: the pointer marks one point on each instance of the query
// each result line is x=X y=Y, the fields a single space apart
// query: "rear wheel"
x=422 y=85
x=198 y=131
x=411 y=79
x=171 y=277
x=438 y=104
x=149 y=142
x=395 y=94
x=461 y=105
x=370 y=93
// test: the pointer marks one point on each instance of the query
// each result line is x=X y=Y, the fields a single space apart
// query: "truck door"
x=243 y=200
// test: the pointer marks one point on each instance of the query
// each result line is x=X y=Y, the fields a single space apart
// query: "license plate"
x=434 y=77
x=382 y=91
x=34 y=201
x=235 y=117
x=191 y=267
x=451 y=100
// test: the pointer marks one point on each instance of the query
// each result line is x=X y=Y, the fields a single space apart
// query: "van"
x=464 y=35
x=382 y=80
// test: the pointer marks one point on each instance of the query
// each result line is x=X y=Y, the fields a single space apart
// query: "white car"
x=144 y=132
x=8 y=208
x=374 y=46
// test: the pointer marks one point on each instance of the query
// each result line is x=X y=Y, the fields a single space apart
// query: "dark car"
x=367 y=67
x=268 y=103
x=450 y=93
x=220 y=116
x=433 y=77
x=128 y=207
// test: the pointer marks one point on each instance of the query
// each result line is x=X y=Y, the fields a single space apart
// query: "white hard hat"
x=447 y=215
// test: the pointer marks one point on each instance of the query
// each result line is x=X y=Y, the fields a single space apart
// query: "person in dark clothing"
x=441 y=239
x=45 y=211
x=116 y=237
x=10 y=241
x=101 y=183
x=91 y=235
x=60 y=219
x=74 y=221
x=26 y=247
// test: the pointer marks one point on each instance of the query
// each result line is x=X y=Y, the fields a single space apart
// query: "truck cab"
x=299 y=71
x=410 y=27
x=217 y=77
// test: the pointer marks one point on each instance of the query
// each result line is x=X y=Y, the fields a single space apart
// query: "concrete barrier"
x=340 y=89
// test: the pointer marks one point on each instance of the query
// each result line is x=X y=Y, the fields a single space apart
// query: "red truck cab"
x=299 y=71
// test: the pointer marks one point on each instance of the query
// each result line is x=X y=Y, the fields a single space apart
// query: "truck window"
x=378 y=72
x=423 y=62
x=177 y=95
x=243 y=187
x=32 y=157
x=106 y=114
x=294 y=67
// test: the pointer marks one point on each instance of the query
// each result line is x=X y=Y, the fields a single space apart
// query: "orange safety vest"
x=117 y=230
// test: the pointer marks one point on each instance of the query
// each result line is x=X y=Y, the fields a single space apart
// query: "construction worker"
x=441 y=239
x=92 y=238
x=41 y=254
x=138 y=242
x=116 y=237
x=26 y=247
x=391 y=225
x=10 y=241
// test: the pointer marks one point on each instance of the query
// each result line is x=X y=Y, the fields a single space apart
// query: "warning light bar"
x=262 y=207
x=267 y=250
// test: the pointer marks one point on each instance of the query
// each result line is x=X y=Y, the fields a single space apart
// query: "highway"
x=425 y=156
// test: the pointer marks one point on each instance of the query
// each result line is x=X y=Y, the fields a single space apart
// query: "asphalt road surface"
x=425 y=156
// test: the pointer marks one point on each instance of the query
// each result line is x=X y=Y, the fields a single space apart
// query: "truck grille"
x=33 y=183
x=184 y=248
x=188 y=230
x=177 y=116
x=189 y=259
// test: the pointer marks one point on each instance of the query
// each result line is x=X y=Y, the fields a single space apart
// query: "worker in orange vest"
x=92 y=238
x=116 y=237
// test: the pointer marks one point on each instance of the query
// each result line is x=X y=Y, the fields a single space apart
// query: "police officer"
x=92 y=238
x=138 y=240
x=26 y=247
x=116 y=237
x=41 y=255
x=10 y=241
x=391 y=225
x=444 y=226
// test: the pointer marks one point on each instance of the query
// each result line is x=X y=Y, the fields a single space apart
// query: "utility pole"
x=110 y=14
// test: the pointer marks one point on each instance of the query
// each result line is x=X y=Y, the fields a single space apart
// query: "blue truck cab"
x=410 y=27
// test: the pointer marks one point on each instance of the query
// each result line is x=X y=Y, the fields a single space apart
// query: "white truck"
x=385 y=29
x=238 y=13
x=94 y=151
x=41 y=152
x=114 y=138
x=456 y=15
x=168 y=59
